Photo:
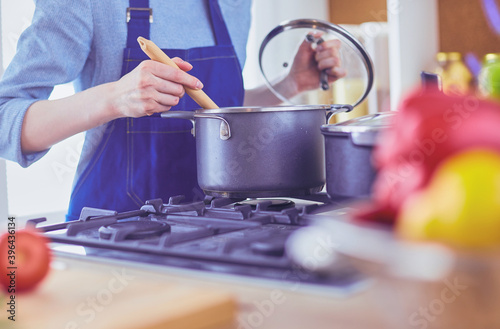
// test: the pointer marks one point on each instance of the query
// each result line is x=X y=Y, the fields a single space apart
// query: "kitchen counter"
x=260 y=303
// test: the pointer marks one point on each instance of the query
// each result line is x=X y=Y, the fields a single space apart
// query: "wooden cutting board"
x=114 y=298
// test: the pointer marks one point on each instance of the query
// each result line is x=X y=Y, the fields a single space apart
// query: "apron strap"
x=218 y=25
x=139 y=16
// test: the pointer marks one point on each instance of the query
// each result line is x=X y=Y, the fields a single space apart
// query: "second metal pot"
x=260 y=151
x=348 y=151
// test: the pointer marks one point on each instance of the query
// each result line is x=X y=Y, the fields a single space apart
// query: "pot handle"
x=187 y=115
x=338 y=108
x=224 y=132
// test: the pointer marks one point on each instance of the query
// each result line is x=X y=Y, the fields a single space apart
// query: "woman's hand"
x=150 y=88
x=309 y=62
x=305 y=73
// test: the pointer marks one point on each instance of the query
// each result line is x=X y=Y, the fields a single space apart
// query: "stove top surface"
x=244 y=237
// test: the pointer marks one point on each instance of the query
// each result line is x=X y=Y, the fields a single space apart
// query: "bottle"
x=489 y=77
x=455 y=76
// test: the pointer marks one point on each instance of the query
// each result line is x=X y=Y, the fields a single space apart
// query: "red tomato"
x=29 y=260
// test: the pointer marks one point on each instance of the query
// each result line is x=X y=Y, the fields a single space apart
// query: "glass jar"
x=455 y=76
x=489 y=77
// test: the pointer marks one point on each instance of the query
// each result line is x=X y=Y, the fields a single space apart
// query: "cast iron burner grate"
x=232 y=236
x=268 y=204
x=133 y=230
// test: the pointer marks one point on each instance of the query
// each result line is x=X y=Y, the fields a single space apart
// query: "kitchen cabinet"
x=463 y=26
x=357 y=11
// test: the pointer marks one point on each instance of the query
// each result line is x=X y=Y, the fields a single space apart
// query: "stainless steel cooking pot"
x=260 y=151
x=274 y=151
x=348 y=151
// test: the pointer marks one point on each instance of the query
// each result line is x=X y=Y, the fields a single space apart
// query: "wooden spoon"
x=156 y=54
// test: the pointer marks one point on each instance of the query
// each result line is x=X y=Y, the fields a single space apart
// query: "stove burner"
x=276 y=249
x=268 y=204
x=133 y=230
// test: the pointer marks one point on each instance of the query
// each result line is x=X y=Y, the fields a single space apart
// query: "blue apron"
x=147 y=158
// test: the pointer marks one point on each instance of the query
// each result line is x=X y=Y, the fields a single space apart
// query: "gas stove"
x=242 y=237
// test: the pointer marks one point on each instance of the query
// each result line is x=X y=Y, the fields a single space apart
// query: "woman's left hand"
x=310 y=61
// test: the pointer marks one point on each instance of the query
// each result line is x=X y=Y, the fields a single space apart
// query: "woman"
x=129 y=154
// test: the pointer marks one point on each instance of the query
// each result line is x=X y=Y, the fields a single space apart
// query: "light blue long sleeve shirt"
x=83 y=41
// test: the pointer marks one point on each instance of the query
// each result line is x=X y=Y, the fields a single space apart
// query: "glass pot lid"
x=277 y=54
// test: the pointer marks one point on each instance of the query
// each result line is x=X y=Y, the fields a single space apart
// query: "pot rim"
x=358 y=125
x=252 y=109
x=326 y=129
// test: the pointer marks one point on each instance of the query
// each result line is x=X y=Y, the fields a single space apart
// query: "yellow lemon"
x=460 y=206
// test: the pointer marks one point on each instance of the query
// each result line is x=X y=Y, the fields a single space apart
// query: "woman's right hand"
x=151 y=87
